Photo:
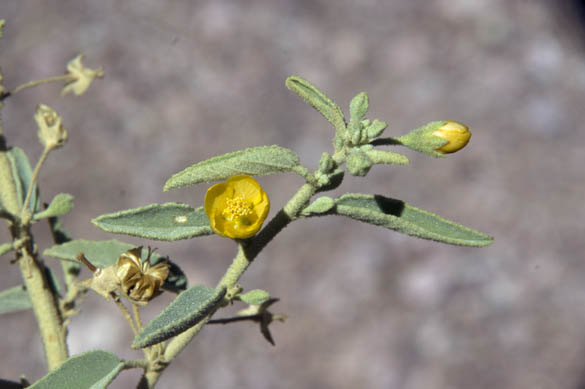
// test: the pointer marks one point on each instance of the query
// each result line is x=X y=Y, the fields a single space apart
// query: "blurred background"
x=368 y=308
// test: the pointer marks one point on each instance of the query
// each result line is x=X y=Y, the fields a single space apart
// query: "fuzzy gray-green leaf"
x=14 y=299
x=91 y=370
x=254 y=161
x=358 y=107
x=255 y=297
x=188 y=309
x=169 y=221
x=399 y=216
x=319 y=206
x=21 y=168
x=318 y=100
x=60 y=205
x=106 y=252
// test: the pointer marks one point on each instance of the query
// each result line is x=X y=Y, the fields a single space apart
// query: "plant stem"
x=44 y=300
x=65 y=77
x=247 y=251
x=35 y=176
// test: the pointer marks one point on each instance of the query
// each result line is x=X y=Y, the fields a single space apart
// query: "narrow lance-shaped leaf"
x=188 y=309
x=92 y=370
x=318 y=100
x=254 y=161
x=60 y=205
x=22 y=171
x=401 y=217
x=169 y=222
x=14 y=299
x=105 y=253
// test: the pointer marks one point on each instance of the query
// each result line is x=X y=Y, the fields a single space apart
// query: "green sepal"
x=106 y=252
x=318 y=100
x=358 y=163
x=254 y=297
x=386 y=157
x=320 y=206
x=254 y=161
x=2 y=24
x=188 y=309
x=92 y=370
x=401 y=217
x=169 y=222
x=6 y=248
x=423 y=140
x=59 y=206
x=14 y=299
x=22 y=175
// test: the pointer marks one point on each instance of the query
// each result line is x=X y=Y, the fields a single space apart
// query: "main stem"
x=247 y=251
x=44 y=301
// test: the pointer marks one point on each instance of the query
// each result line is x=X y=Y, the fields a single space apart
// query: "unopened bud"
x=455 y=133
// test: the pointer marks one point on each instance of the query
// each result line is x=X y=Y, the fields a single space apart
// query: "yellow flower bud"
x=457 y=134
x=51 y=133
x=237 y=208
x=81 y=77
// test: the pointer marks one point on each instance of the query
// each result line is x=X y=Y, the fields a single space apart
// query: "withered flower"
x=139 y=281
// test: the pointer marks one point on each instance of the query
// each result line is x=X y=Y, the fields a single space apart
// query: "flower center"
x=237 y=208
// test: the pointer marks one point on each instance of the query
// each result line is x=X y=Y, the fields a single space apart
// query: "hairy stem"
x=43 y=298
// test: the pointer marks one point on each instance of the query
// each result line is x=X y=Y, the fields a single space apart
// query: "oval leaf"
x=399 y=216
x=60 y=205
x=14 y=299
x=255 y=297
x=105 y=253
x=188 y=309
x=94 y=369
x=169 y=221
x=254 y=161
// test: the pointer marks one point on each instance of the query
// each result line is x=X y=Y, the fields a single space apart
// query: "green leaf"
x=386 y=157
x=358 y=107
x=105 y=253
x=188 y=309
x=169 y=221
x=14 y=299
x=318 y=100
x=375 y=129
x=399 y=216
x=21 y=168
x=91 y=370
x=320 y=206
x=255 y=297
x=254 y=161
x=60 y=205
x=357 y=110
x=6 y=248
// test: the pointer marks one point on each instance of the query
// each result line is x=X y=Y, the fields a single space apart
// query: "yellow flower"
x=81 y=77
x=236 y=208
x=456 y=133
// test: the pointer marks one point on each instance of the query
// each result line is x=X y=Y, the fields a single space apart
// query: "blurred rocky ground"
x=368 y=308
